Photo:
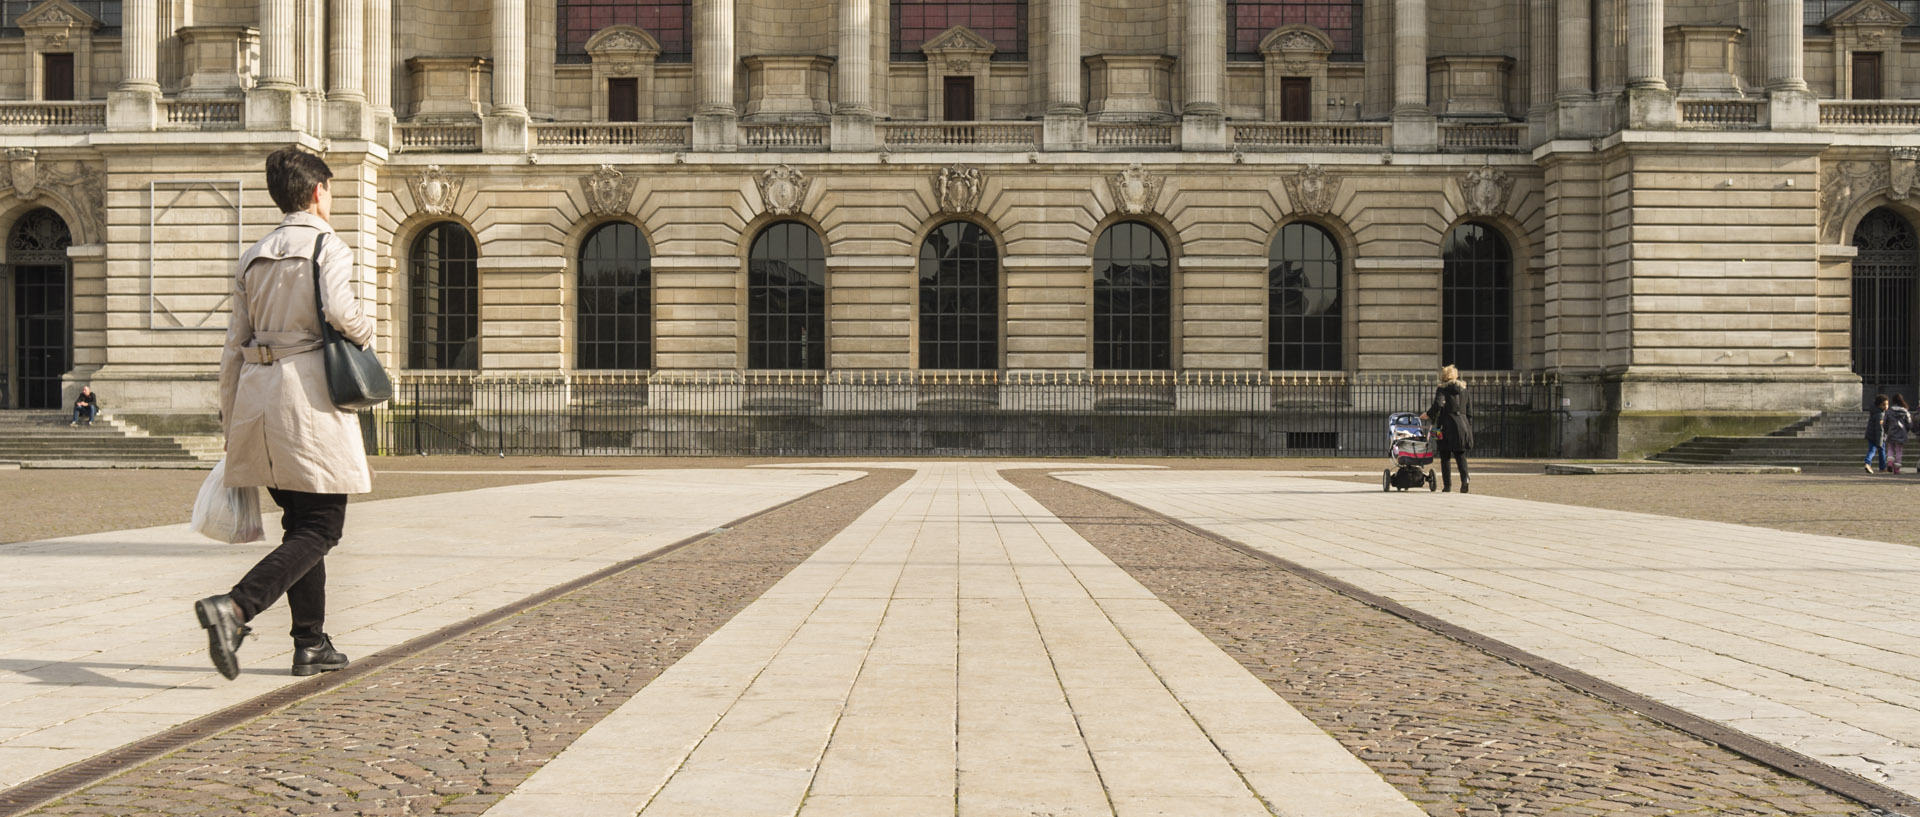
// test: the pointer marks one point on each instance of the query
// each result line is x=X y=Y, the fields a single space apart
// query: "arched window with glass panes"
x=787 y=298
x=1001 y=22
x=443 y=299
x=1476 y=299
x=959 y=298
x=615 y=299
x=669 y=21
x=1304 y=269
x=1132 y=299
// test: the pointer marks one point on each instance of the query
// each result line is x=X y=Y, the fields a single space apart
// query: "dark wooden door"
x=59 y=78
x=1866 y=75
x=1296 y=99
x=623 y=99
x=959 y=99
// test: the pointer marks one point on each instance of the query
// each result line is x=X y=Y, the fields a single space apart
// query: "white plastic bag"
x=223 y=514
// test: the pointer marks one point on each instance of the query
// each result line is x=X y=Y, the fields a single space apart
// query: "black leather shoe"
x=1446 y=489
x=317 y=659
x=1463 y=486
x=221 y=619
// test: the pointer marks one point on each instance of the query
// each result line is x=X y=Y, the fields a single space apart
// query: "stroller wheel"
x=1432 y=484
x=1386 y=480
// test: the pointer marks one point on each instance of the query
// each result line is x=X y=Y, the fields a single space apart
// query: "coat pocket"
x=248 y=463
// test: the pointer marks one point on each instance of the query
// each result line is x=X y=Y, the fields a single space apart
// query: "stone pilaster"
x=522 y=313
x=697 y=324
x=715 y=119
x=135 y=105
x=872 y=311
x=275 y=102
x=1649 y=102
x=1049 y=312
x=506 y=122
x=347 y=112
x=379 y=70
x=1794 y=106
x=853 y=113
x=1204 y=59
x=1066 y=119
x=1414 y=127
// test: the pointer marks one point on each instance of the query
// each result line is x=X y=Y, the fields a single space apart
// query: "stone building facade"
x=1690 y=214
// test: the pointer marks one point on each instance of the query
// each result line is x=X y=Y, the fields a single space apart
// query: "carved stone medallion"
x=1901 y=171
x=1843 y=185
x=1312 y=190
x=435 y=191
x=608 y=190
x=20 y=165
x=1135 y=190
x=958 y=188
x=1486 y=191
x=783 y=189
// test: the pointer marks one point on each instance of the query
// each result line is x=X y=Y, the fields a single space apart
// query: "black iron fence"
x=943 y=413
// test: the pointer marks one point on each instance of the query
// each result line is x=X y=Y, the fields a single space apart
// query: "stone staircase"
x=1829 y=439
x=43 y=439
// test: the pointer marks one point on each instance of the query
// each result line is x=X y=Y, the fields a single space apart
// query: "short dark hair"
x=1879 y=398
x=291 y=176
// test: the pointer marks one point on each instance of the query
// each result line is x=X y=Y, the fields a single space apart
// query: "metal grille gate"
x=1884 y=305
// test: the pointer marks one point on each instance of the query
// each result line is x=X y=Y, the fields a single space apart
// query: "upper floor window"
x=616 y=300
x=105 y=12
x=1303 y=300
x=1002 y=22
x=443 y=300
x=959 y=298
x=1251 y=20
x=787 y=299
x=666 y=20
x=1476 y=299
x=1815 y=13
x=1132 y=299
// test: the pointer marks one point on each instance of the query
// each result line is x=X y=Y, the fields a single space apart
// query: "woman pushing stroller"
x=1451 y=416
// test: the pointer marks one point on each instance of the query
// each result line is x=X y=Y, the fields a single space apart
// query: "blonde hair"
x=1449 y=372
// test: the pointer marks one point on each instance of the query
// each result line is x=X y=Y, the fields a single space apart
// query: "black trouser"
x=297 y=568
x=1446 y=469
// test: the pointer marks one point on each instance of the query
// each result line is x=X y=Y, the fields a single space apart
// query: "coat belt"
x=266 y=355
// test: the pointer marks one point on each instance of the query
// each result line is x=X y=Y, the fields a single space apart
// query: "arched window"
x=666 y=20
x=1884 y=301
x=42 y=303
x=105 y=12
x=1002 y=22
x=1132 y=299
x=1476 y=299
x=443 y=300
x=616 y=300
x=959 y=298
x=787 y=299
x=1303 y=300
x=1250 y=20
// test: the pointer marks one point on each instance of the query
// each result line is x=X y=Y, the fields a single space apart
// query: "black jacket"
x=93 y=399
x=1875 y=429
x=1452 y=414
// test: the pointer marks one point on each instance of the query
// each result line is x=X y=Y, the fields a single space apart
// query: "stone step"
x=42 y=437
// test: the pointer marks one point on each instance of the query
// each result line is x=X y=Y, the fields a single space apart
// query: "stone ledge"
x=1590 y=468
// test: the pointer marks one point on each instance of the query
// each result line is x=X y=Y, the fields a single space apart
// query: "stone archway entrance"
x=39 y=309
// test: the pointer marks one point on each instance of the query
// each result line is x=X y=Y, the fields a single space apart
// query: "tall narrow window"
x=959 y=298
x=1296 y=99
x=59 y=78
x=958 y=99
x=1476 y=299
x=1866 y=75
x=1303 y=300
x=443 y=320
x=787 y=299
x=1132 y=299
x=666 y=20
x=1002 y=22
x=623 y=99
x=616 y=300
x=1250 y=20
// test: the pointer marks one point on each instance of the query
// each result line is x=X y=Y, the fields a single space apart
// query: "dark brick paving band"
x=453 y=729
x=1457 y=730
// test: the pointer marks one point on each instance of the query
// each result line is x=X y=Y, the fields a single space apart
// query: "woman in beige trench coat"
x=283 y=431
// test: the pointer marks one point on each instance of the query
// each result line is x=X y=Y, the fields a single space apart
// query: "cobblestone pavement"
x=1455 y=729
x=452 y=730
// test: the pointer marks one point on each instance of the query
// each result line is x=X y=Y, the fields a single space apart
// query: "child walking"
x=1877 y=434
x=1899 y=422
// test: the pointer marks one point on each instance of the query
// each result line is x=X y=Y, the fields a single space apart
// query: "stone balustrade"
x=414 y=137
x=1132 y=136
x=1723 y=113
x=1251 y=136
x=190 y=114
x=1869 y=112
x=784 y=137
x=961 y=135
x=56 y=116
x=1483 y=137
x=645 y=136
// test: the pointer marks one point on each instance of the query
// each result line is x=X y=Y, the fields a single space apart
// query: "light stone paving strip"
x=98 y=645
x=957 y=650
x=1806 y=641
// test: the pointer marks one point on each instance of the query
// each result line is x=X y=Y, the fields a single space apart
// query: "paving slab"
x=956 y=650
x=1804 y=641
x=98 y=646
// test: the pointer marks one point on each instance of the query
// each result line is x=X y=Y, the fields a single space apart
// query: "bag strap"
x=327 y=332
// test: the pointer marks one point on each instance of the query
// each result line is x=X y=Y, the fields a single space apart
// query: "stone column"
x=715 y=120
x=853 y=113
x=1650 y=104
x=379 y=70
x=1793 y=105
x=135 y=105
x=1576 y=51
x=506 y=122
x=1066 y=119
x=275 y=102
x=1414 y=127
x=1204 y=60
x=347 y=114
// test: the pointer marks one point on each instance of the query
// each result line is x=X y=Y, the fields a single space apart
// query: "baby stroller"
x=1411 y=450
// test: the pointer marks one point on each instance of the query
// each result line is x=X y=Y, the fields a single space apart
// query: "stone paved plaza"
x=977 y=638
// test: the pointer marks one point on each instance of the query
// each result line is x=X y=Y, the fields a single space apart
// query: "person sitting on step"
x=85 y=407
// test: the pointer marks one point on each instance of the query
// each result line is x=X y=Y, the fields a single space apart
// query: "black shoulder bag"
x=355 y=378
